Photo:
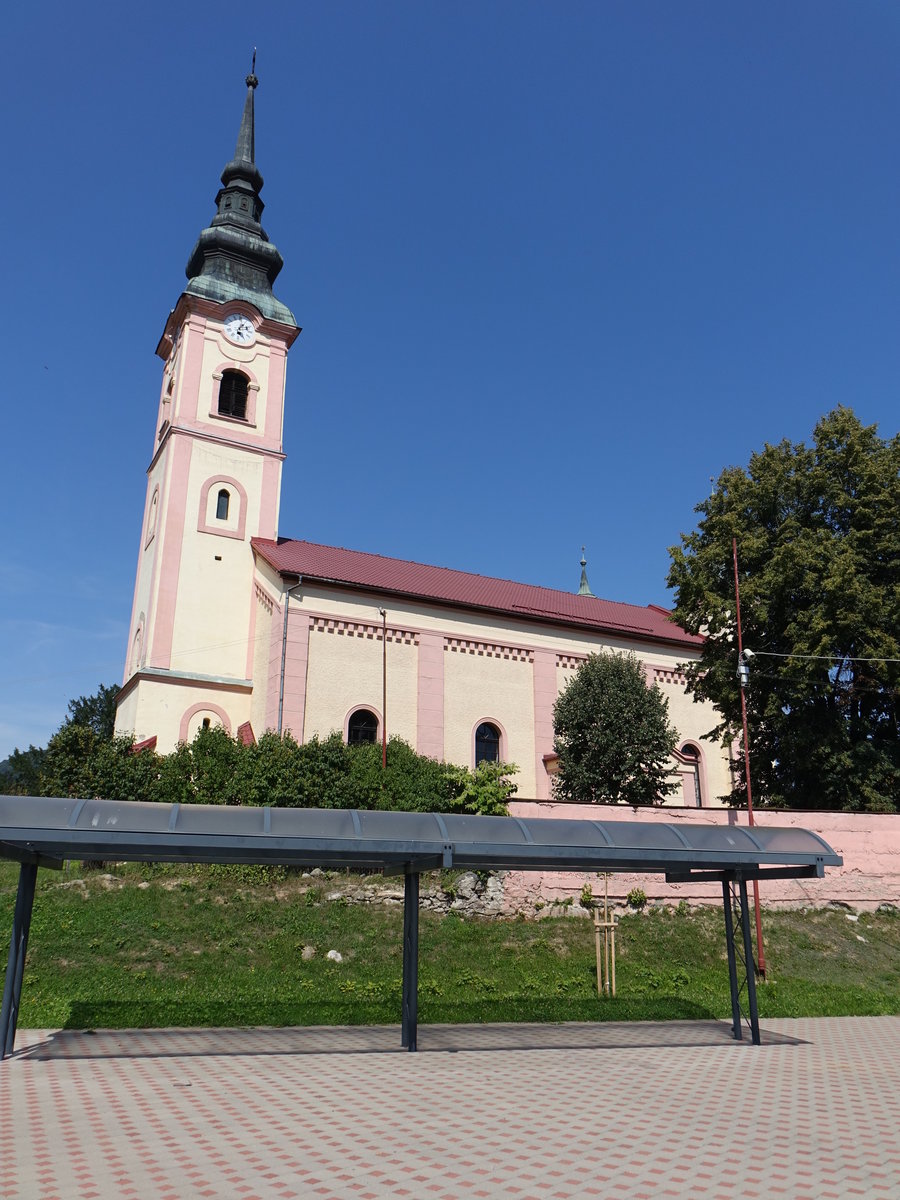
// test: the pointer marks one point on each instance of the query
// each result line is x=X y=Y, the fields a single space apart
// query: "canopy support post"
x=410 y=1001
x=749 y=963
x=734 y=896
x=15 y=967
x=732 y=960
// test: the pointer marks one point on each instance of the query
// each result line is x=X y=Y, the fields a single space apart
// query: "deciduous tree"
x=97 y=712
x=818 y=532
x=613 y=735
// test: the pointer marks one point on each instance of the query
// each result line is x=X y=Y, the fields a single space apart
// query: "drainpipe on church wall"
x=284 y=631
x=383 y=612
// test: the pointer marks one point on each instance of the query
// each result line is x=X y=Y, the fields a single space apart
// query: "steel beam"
x=732 y=960
x=15 y=966
x=812 y=871
x=410 y=1000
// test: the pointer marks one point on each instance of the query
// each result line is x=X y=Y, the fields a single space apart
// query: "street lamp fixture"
x=743 y=669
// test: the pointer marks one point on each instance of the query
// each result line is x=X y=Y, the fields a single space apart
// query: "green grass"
x=184 y=945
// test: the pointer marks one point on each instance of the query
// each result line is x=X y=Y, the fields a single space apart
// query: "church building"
x=234 y=625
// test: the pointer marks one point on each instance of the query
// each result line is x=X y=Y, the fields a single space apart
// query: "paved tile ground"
x=519 y=1112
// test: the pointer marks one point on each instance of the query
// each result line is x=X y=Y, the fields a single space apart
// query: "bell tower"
x=214 y=479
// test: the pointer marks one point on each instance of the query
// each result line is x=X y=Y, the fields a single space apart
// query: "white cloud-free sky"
x=556 y=265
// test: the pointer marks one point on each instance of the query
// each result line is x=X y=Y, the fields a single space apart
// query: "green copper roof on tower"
x=584 y=588
x=233 y=258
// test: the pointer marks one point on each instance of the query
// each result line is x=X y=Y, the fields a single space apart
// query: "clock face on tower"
x=239 y=329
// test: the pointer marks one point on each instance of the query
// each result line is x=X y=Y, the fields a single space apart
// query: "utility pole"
x=743 y=673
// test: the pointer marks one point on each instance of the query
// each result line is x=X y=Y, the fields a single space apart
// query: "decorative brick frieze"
x=570 y=662
x=265 y=599
x=672 y=675
x=488 y=649
x=362 y=629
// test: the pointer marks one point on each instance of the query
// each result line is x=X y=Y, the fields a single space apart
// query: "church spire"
x=233 y=258
x=584 y=588
x=245 y=150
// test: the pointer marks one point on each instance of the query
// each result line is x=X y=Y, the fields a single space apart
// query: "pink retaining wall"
x=869 y=843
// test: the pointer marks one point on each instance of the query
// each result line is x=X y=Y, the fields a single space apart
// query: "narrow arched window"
x=152 y=515
x=362 y=727
x=136 y=648
x=487 y=743
x=233 y=395
x=692 y=793
x=222 y=505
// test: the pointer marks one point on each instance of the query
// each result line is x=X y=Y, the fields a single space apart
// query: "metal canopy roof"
x=35 y=830
x=40 y=832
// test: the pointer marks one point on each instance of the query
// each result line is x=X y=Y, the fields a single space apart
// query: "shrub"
x=322 y=773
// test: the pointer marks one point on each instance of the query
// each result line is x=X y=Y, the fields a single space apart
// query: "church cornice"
x=212 y=310
x=409 y=632
x=613 y=637
x=199 y=435
x=186 y=678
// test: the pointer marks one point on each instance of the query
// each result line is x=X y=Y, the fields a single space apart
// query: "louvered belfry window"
x=233 y=395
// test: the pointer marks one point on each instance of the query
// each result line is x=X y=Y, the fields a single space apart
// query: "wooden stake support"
x=606 y=956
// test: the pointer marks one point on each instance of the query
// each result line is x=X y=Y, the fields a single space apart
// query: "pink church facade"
x=233 y=626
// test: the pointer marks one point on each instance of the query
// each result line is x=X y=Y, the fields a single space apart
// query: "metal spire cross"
x=584 y=588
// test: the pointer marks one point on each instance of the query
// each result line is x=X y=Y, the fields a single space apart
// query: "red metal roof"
x=354 y=568
x=245 y=734
x=147 y=744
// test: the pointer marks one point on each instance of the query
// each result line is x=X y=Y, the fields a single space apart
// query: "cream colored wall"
x=156 y=707
x=212 y=620
x=127 y=713
x=479 y=688
x=458 y=623
x=692 y=719
x=264 y=599
x=206 y=339
x=147 y=557
x=345 y=672
x=255 y=359
x=490 y=683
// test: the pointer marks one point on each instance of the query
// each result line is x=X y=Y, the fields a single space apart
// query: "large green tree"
x=613 y=735
x=23 y=771
x=96 y=712
x=818 y=533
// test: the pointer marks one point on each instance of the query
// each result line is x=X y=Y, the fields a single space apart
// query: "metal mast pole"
x=760 y=950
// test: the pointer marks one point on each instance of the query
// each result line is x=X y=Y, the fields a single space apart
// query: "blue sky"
x=556 y=265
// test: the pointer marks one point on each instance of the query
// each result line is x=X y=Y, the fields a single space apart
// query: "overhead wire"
x=824 y=683
x=819 y=657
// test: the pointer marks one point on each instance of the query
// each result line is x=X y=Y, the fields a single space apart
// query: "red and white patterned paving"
x=520 y=1112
